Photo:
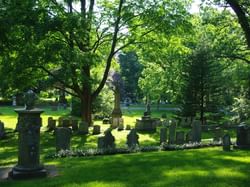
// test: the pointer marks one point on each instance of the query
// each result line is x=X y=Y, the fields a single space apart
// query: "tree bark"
x=242 y=17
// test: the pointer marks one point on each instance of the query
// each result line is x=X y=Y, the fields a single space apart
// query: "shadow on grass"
x=206 y=167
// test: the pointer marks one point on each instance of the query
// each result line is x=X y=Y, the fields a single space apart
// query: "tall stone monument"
x=28 y=127
x=116 y=113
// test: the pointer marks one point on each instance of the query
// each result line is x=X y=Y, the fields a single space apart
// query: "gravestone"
x=51 y=124
x=28 y=128
x=106 y=121
x=180 y=137
x=14 y=101
x=65 y=123
x=83 y=128
x=116 y=121
x=96 y=129
x=218 y=134
x=243 y=137
x=60 y=121
x=163 y=135
x=189 y=137
x=117 y=113
x=107 y=141
x=74 y=124
x=196 y=131
x=132 y=139
x=63 y=136
x=128 y=127
x=226 y=142
x=171 y=137
x=2 y=130
x=120 y=127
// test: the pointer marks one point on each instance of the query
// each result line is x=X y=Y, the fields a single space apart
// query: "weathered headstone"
x=51 y=124
x=120 y=127
x=132 y=139
x=63 y=136
x=2 y=130
x=196 y=131
x=96 y=129
x=60 y=121
x=116 y=121
x=128 y=127
x=171 y=137
x=105 y=121
x=28 y=128
x=243 y=137
x=107 y=141
x=226 y=142
x=218 y=134
x=74 y=124
x=83 y=128
x=189 y=137
x=163 y=135
x=180 y=137
x=65 y=123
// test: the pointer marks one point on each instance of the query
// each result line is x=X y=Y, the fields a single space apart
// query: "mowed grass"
x=203 y=167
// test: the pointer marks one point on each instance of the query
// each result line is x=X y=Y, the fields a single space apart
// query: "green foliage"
x=241 y=109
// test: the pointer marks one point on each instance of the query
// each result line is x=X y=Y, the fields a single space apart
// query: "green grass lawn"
x=203 y=167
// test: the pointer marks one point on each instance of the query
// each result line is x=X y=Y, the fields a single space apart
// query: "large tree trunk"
x=86 y=107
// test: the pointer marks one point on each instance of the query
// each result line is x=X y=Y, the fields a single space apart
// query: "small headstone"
x=196 y=131
x=163 y=135
x=180 y=137
x=60 y=121
x=51 y=124
x=105 y=121
x=74 y=124
x=218 y=133
x=107 y=141
x=120 y=127
x=132 y=139
x=96 y=129
x=189 y=137
x=65 y=123
x=226 y=142
x=63 y=135
x=171 y=137
x=2 y=130
x=243 y=136
x=128 y=127
x=83 y=128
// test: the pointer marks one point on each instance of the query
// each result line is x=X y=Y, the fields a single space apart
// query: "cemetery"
x=125 y=93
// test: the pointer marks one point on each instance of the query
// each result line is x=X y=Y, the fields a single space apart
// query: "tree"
x=130 y=72
x=76 y=47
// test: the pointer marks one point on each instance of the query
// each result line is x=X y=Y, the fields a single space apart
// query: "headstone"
x=163 y=135
x=60 y=121
x=51 y=124
x=171 y=137
x=218 y=134
x=63 y=136
x=107 y=141
x=226 y=142
x=14 y=101
x=243 y=136
x=74 y=124
x=28 y=128
x=132 y=139
x=65 y=123
x=196 y=131
x=180 y=137
x=128 y=127
x=189 y=137
x=96 y=129
x=120 y=127
x=83 y=128
x=2 y=130
x=105 y=121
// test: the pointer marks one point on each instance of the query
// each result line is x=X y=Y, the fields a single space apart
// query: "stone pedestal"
x=28 y=127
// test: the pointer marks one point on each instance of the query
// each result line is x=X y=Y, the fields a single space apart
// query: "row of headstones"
x=107 y=141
